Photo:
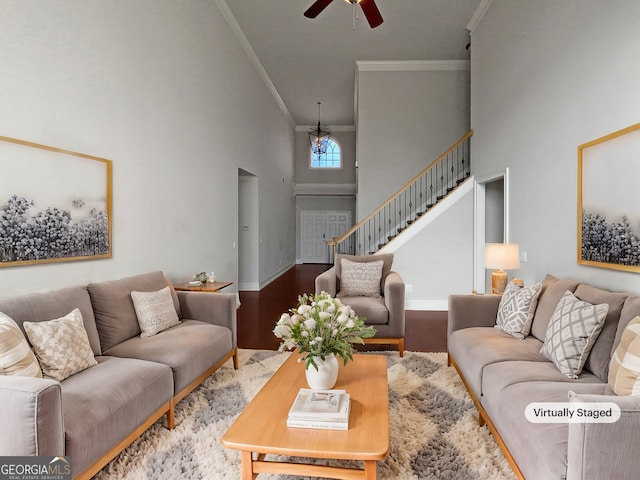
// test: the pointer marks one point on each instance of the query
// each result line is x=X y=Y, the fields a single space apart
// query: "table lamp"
x=501 y=257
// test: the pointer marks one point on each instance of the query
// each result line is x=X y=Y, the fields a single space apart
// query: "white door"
x=318 y=227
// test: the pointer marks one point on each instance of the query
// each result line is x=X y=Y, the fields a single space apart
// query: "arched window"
x=331 y=159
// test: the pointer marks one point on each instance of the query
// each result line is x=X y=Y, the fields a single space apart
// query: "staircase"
x=416 y=198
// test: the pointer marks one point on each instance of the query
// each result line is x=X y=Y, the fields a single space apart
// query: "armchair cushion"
x=373 y=310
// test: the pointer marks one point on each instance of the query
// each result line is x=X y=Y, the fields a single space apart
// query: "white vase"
x=327 y=374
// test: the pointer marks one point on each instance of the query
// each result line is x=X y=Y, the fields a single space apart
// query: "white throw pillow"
x=516 y=310
x=61 y=345
x=572 y=331
x=155 y=311
x=16 y=356
x=360 y=278
x=624 y=369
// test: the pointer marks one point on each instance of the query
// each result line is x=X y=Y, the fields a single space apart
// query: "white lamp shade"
x=502 y=256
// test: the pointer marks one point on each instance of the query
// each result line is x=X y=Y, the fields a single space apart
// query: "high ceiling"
x=313 y=60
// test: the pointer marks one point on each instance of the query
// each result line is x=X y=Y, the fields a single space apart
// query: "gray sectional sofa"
x=94 y=414
x=504 y=374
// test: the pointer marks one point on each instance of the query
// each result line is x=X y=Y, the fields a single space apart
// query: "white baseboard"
x=249 y=286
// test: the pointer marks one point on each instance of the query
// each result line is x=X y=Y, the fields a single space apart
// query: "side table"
x=204 y=287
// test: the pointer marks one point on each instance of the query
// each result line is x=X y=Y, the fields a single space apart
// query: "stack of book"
x=322 y=409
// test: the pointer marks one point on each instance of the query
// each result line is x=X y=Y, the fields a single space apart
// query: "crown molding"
x=242 y=39
x=478 y=15
x=411 y=65
x=332 y=128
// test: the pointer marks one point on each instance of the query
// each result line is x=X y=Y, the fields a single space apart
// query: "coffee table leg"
x=370 y=470
x=247 y=466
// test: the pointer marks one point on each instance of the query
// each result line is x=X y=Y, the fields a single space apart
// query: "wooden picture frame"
x=55 y=205
x=609 y=201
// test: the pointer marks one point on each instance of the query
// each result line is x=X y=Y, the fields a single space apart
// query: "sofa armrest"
x=214 y=308
x=605 y=450
x=327 y=282
x=394 y=300
x=472 y=311
x=31 y=417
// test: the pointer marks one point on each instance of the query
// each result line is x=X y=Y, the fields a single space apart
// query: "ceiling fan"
x=369 y=9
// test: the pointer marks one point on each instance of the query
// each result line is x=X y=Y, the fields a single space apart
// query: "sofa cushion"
x=476 y=347
x=374 y=310
x=190 y=349
x=104 y=404
x=553 y=289
x=540 y=448
x=571 y=333
x=40 y=307
x=360 y=278
x=516 y=309
x=600 y=356
x=16 y=356
x=624 y=372
x=155 y=311
x=387 y=262
x=61 y=345
x=115 y=314
x=630 y=310
x=498 y=376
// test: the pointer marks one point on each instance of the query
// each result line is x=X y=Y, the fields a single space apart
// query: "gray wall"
x=405 y=120
x=546 y=77
x=165 y=91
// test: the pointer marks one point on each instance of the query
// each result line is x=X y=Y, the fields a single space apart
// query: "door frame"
x=479 y=218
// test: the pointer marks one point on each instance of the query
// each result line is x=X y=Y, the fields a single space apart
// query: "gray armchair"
x=385 y=313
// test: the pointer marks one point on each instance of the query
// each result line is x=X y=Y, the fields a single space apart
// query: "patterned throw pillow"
x=572 y=331
x=61 y=345
x=624 y=370
x=517 y=306
x=360 y=278
x=155 y=311
x=16 y=356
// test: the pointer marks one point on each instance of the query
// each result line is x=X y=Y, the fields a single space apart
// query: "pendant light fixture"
x=319 y=137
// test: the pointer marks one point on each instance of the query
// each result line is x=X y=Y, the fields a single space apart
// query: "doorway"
x=491 y=221
x=248 y=232
x=318 y=227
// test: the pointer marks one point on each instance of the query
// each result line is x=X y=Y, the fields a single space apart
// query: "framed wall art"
x=609 y=201
x=55 y=205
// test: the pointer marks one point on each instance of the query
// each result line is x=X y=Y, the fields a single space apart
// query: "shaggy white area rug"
x=433 y=427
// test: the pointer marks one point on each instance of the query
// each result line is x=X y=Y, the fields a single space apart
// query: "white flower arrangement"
x=319 y=326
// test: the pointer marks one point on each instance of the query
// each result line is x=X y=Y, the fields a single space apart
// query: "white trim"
x=438 y=209
x=249 y=287
x=324 y=189
x=278 y=274
x=411 y=65
x=333 y=128
x=427 y=305
x=242 y=39
x=478 y=15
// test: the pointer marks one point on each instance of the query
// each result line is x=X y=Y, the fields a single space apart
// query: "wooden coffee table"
x=262 y=427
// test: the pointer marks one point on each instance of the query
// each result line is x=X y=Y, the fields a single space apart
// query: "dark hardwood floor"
x=259 y=311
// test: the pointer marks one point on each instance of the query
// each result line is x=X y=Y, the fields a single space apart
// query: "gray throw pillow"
x=572 y=331
x=361 y=278
x=516 y=309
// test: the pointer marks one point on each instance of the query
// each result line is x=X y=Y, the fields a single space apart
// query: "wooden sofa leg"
x=171 y=416
x=235 y=360
x=401 y=347
x=481 y=421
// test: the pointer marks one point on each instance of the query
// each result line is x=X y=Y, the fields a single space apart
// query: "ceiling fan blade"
x=315 y=9
x=372 y=13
